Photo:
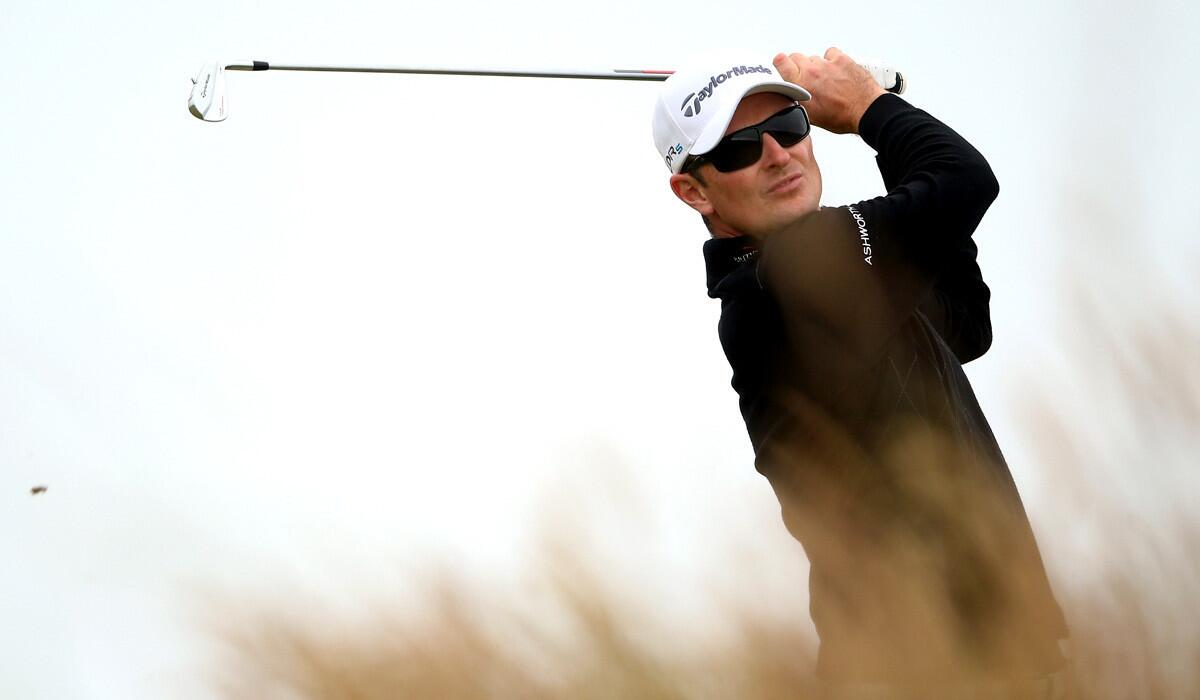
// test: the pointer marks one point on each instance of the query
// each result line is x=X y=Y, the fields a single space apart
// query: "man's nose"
x=773 y=153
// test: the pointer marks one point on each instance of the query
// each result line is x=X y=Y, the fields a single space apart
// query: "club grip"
x=889 y=78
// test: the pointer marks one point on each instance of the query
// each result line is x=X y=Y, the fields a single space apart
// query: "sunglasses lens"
x=789 y=129
x=743 y=148
x=735 y=155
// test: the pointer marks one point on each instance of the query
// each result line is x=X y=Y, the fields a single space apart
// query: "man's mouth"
x=786 y=185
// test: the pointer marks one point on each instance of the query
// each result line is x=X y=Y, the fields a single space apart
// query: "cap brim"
x=715 y=129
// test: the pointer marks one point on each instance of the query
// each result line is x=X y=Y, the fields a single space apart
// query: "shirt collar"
x=724 y=255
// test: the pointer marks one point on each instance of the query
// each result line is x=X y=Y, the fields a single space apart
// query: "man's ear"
x=689 y=191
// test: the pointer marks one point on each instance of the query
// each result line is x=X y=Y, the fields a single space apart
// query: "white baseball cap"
x=696 y=105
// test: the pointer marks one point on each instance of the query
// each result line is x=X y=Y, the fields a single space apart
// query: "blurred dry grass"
x=471 y=644
x=1133 y=613
x=1126 y=569
x=1122 y=457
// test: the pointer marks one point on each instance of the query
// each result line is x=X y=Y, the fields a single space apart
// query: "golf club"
x=208 y=100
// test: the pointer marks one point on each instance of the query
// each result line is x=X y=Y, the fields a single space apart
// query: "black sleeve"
x=846 y=278
x=958 y=303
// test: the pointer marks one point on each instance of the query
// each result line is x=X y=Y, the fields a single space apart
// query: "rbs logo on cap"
x=672 y=152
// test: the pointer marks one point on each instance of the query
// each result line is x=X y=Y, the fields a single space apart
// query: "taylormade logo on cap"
x=691 y=107
x=695 y=104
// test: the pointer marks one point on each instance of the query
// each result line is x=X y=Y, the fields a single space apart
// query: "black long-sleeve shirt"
x=846 y=332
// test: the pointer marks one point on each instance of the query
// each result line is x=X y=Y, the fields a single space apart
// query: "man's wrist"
x=877 y=114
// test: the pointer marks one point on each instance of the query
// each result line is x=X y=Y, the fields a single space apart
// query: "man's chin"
x=792 y=214
x=775 y=218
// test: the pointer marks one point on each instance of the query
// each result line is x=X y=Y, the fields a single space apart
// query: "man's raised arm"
x=846 y=278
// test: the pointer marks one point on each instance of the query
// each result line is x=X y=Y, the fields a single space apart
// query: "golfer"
x=846 y=329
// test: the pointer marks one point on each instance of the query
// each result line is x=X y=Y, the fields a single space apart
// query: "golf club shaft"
x=207 y=99
x=414 y=70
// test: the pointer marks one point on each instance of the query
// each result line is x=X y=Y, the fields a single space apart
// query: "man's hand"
x=841 y=89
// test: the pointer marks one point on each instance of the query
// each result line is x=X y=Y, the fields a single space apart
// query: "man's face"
x=782 y=186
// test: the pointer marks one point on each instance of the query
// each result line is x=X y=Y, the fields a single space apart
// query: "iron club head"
x=207 y=100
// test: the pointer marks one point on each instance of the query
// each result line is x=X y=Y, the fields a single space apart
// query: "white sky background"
x=371 y=320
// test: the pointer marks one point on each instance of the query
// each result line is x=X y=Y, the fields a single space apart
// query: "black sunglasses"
x=743 y=147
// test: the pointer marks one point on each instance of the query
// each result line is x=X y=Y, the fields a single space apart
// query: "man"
x=846 y=329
